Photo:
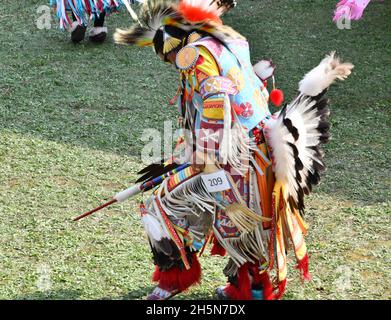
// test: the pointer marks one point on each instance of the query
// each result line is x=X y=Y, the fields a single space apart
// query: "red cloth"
x=217 y=249
x=243 y=290
x=178 y=279
x=264 y=280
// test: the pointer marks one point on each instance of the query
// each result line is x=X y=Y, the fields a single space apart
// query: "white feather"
x=283 y=160
x=321 y=77
x=278 y=137
x=264 y=69
x=153 y=228
x=305 y=121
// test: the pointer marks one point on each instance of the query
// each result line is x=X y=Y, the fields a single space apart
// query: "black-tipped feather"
x=150 y=167
x=156 y=170
x=293 y=130
x=315 y=111
x=227 y=4
x=165 y=254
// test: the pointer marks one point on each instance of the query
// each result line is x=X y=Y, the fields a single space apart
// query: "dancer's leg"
x=171 y=275
x=98 y=33
x=77 y=31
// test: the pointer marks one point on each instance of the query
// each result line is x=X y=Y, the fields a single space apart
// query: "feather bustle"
x=296 y=133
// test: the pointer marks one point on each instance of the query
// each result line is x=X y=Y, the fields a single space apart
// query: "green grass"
x=71 y=119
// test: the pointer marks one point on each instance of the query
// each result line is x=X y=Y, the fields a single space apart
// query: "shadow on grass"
x=196 y=296
x=137 y=294
x=63 y=294
x=142 y=292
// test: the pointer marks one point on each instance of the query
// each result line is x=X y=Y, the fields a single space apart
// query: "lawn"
x=71 y=119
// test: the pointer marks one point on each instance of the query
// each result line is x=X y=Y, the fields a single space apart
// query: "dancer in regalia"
x=74 y=15
x=249 y=170
x=350 y=9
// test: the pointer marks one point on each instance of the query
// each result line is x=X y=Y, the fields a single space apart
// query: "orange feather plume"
x=197 y=15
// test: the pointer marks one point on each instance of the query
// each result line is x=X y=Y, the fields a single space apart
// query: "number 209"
x=215 y=182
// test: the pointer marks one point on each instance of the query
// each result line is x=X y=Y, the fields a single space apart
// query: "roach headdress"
x=170 y=25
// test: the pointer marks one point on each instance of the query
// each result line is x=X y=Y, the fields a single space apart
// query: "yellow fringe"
x=243 y=218
x=170 y=44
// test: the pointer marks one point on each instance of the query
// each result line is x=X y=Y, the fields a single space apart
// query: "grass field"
x=71 y=119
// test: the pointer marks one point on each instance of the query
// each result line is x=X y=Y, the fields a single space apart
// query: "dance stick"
x=134 y=190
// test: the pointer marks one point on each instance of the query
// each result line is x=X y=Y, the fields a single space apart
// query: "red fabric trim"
x=88 y=7
x=303 y=267
x=99 y=6
x=177 y=279
x=281 y=290
x=217 y=249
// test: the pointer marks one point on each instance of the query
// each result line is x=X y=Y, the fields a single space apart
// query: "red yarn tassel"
x=175 y=98
x=243 y=290
x=303 y=267
x=277 y=97
x=178 y=279
x=217 y=249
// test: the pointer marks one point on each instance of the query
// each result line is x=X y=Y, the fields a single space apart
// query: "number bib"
x=216 y=182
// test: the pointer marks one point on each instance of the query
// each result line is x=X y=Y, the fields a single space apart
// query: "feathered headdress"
x=205 y=11
x=167 y=25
